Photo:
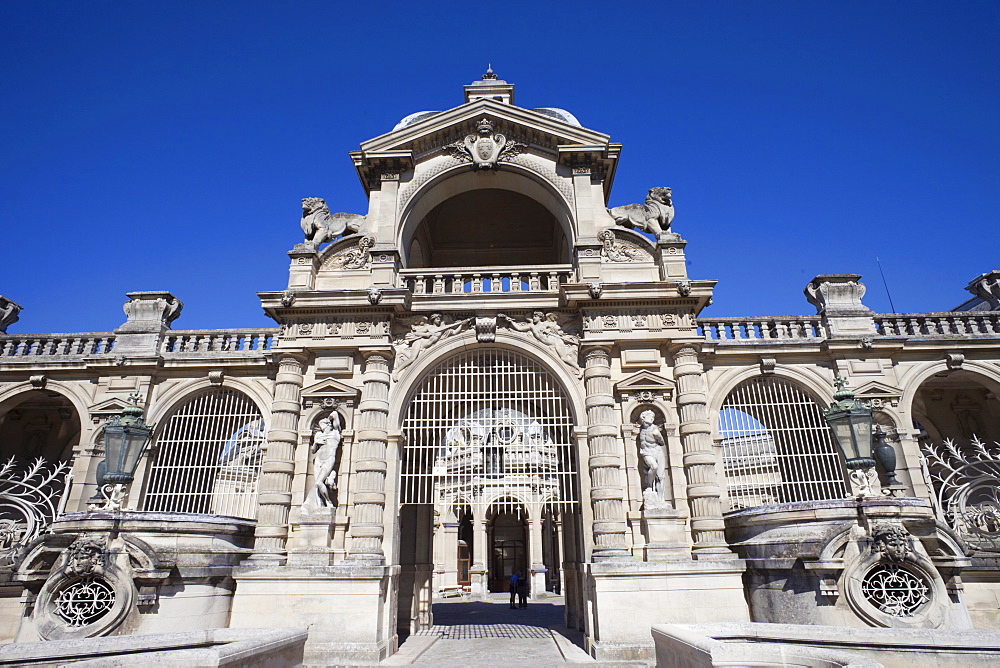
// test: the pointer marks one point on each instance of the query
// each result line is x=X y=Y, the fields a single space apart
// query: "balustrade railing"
x=480 y=280
x=218 y=341
x=737 y=330
x=951 y=324
x=55 y=345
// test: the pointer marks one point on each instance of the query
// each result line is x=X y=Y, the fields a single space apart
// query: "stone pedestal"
x=344 y=607
x=627 y=598
x=665 y=532
x=312 y=529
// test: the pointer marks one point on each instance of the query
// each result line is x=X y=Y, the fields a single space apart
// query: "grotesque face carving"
x=893 y=541
x=85 y=556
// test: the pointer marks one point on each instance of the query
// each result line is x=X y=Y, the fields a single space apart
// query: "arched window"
x=489 y=424
x=208 y=457
x=776 y=446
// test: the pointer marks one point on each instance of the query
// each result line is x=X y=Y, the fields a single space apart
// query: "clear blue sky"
x=166 y=145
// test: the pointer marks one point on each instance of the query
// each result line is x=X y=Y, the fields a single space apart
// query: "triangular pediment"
x=330 y=388
x=644 y=380
x=108 y=406
x=877 y=389
x=433 y=131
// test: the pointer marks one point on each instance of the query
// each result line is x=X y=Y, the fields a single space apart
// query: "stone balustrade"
x=479 y=280
x=739 y=330
x=218 y=341
x=954 y=324
x=56 y=345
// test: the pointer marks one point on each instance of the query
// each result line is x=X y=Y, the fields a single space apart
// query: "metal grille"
x=489 y=426
x=84 y=601
x=776 y=446
x=895 y=591
x=208 y=457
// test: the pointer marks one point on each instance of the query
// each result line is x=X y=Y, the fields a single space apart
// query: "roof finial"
x=489 y=72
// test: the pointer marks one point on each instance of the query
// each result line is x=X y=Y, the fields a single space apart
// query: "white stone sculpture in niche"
x=614 y=251
x=320 y=226
x=485 y=148
x=325 y=446
x=652 y=449
x=654 y=216
x=424 y=333
x=547 y=329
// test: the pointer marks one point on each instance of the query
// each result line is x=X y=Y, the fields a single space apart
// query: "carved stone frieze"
x=376 y=326
x=486 y=148
x=637 y=319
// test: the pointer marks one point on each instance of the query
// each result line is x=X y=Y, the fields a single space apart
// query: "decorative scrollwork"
x=85 y=601
x=895 y=590
x=966 y=483
x=29 y=502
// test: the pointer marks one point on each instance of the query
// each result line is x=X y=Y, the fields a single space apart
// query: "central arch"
x=487 y=484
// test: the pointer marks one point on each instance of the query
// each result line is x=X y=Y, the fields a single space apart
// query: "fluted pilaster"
x=367 y=526
x=703 y=489
x=607 y=491
x=275 y=496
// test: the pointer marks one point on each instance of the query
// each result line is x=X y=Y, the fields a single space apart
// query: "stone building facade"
x=490 y=372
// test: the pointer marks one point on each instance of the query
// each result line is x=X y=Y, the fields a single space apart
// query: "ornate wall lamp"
x=851 y=421
x=125 y=439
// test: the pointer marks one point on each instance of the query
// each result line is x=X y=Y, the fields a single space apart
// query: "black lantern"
x=851 y=422
x=125 y=439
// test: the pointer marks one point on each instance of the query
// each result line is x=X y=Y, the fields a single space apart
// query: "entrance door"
x=508 y=551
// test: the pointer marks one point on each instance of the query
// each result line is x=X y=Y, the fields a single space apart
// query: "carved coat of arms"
x=485 y=148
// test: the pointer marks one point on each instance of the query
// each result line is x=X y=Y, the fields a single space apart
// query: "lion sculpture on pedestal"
x=654 y=216
x=320 y=226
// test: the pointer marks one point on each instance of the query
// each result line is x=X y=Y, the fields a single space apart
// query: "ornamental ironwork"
x=85 y=601
x=29 y=502
x=966 y=484
x=895 y=590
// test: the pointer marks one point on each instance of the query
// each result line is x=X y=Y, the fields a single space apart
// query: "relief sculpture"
x=424 y=333
x=547 y=329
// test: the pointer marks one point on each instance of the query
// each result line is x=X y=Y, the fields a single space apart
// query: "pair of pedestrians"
x=519 y=589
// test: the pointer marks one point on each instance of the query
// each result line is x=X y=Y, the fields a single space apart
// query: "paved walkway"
x=489 y=633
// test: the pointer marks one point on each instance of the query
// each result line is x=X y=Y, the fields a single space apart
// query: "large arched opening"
x=38 y=423
x=488 y=484
x=507 y=218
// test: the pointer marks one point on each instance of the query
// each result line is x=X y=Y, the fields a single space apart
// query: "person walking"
x=514 y=580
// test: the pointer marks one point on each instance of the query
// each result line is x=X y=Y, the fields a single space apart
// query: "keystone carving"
x=892 y=541
x=485 y=148
x=9 y=311
x=654 y=216
x=320 y=226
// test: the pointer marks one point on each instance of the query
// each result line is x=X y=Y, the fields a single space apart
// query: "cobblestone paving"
x=489 y=633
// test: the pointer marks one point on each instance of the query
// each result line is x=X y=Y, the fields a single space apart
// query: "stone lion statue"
x=654 y=216
x=320 y=226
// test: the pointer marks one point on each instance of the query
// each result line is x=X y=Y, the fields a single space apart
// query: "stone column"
x=367 y=524
x=480 y=569
x=703 y=490
x=535 y=556
x=275 y=497
x=606 y=489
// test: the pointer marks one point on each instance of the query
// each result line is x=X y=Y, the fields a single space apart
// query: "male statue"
x=651 y=449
